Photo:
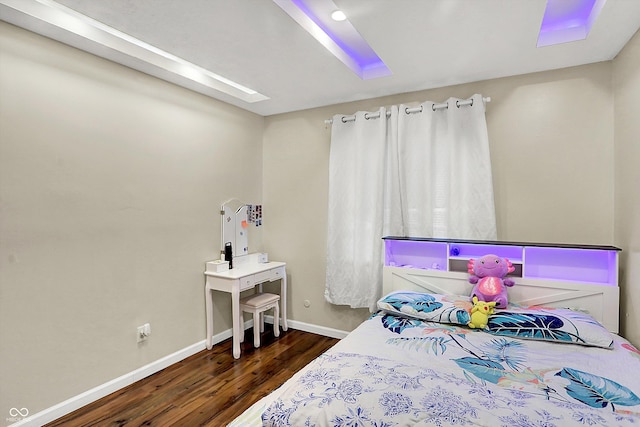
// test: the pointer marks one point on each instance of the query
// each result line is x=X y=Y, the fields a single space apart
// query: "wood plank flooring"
x=210 y=388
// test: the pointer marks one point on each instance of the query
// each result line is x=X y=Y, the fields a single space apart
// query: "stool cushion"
x=259 y=300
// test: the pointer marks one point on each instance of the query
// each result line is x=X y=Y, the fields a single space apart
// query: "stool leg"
x=256 y=329
x=241 y=327
x=276 y=320
x=261 y=321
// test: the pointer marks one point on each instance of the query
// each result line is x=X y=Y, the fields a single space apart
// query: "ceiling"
x=425 y=44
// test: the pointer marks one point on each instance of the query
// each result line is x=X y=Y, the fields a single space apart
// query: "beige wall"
x=627 y=191
x=551 y=137
x=110 y=184
x=110 y=188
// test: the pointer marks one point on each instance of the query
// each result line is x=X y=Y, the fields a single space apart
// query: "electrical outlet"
x=143 y=332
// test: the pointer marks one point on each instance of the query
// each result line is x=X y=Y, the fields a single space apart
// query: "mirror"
x=235 y=227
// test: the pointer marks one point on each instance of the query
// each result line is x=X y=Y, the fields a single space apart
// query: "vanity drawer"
x=269 y=275
x=263 y=276
x=277 y=273
x=247 y=282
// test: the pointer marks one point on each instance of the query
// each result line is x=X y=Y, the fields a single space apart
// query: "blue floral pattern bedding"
x=429 y=307
x=549 y=324
x=399 y=371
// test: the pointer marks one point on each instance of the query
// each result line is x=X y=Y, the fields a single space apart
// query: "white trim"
x=315 y=329
x=61 y=23
x=307 y=327
x=66 y=407
x=63 y=408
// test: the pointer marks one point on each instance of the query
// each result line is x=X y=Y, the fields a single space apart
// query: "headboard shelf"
x=583 y=277
x=581 y=263
x=502 y=243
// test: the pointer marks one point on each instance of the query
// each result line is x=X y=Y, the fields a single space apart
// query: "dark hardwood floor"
x=210 y=388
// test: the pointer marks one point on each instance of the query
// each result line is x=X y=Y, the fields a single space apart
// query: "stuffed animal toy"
x=480 y=313
x=487 y=273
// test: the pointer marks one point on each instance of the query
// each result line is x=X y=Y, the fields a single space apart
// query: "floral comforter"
x=395 y=371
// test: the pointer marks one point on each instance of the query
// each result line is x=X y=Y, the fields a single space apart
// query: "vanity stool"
x=257 y=304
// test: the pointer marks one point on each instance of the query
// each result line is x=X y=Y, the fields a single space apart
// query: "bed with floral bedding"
x=416 y=363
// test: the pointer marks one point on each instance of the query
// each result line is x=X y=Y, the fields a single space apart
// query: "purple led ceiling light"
x=339 y=38
x=568 y=20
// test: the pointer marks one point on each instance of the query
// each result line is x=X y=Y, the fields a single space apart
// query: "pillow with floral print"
x=549 y=324
x=451 y=309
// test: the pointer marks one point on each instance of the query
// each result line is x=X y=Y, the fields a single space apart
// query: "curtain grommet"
x=406 y=110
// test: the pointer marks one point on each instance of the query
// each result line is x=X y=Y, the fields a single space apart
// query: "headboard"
x=553 y=279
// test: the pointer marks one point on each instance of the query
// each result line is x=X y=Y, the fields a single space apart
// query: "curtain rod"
x=407 y=110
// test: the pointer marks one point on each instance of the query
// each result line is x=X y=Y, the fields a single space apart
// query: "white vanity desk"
x=247 y=273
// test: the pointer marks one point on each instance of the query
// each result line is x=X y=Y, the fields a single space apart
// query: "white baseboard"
x=307 y=327
x=89 y=396
x=315 y=329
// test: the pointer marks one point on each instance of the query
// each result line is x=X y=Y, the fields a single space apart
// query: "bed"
x=416 y=362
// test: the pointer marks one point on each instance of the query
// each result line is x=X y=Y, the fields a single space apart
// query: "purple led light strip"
x=568 y=20
x=367 y=63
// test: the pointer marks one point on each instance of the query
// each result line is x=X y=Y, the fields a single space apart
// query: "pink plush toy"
x=487 y=273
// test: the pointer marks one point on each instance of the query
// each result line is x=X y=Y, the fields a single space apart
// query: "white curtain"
x=444 y=168
x=418 y=174
x=357 y=183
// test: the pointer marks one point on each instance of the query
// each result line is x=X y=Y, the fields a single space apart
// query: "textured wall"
x=110 y=188
x=551 y=138
x=627 y=172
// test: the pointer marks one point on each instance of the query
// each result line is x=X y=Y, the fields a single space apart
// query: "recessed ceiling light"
x=568 y=20
x=338 y=15
x=342 y=40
